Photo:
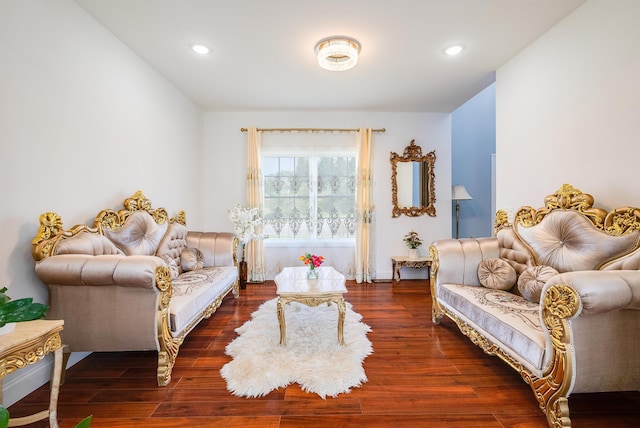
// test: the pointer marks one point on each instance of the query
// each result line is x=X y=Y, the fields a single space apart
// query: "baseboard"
x=24 y=381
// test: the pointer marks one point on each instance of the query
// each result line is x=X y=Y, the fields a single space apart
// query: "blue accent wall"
x=473 y=142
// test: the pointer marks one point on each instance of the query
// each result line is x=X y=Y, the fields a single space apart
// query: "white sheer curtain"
x=280 y=253
x=255 y=248
x=365 y=269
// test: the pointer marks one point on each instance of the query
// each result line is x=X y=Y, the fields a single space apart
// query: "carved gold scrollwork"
x=51 y=232
x=112 y=220
x=50 y=226
x=567 y=198
x=47 y=235
x=182 y=218
x=622 y=221
x=560 y=303
x=436 y=311
x=137 y=202
x=160 y=215
x=169 y=345
x=108 y=219
x=501 y=222
x=11 y=363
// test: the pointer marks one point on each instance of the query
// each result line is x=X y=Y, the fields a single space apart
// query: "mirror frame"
x=413 y=153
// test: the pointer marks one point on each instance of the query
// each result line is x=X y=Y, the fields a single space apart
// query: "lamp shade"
x=459 y=193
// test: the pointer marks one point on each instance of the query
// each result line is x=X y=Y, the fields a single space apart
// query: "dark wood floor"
x=420 y=375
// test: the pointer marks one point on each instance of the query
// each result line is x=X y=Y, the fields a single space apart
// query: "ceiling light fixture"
x=454 y=50
x=337 y=53
x=200 y=49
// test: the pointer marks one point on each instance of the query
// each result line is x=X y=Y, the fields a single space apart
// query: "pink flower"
x=312 y=259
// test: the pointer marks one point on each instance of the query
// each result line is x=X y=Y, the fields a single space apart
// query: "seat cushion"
x=509 y=320
x=193 y=291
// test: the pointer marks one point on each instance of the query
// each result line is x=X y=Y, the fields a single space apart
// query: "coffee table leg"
x=342 y=307
x=281 y=322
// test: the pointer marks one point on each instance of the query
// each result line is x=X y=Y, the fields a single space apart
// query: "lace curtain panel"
x=306 y=185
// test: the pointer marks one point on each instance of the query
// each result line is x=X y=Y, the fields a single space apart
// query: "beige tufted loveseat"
x=136 y=281
x=582 y=335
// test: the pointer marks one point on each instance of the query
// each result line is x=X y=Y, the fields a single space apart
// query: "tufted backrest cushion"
x=92 y=244
x=514 y=251
x=140 y=235
x=173 y=243
x=568 y=241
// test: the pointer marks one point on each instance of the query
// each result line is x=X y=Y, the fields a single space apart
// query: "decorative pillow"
x=139 y=235
x=191 y=259
x=532 y=280
x=496 y=274
x=173 y=266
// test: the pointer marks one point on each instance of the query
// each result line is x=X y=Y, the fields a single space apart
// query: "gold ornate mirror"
x=413 y=182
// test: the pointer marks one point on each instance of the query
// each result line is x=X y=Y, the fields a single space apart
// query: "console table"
x=398 y=262
x=28 y=344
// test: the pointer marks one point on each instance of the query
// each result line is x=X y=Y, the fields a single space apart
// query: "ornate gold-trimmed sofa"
x=135 y=281
x=582 y=336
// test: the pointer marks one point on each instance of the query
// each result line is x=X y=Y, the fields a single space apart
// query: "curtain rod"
x=311 y=130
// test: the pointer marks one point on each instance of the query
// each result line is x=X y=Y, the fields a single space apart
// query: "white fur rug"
x=312 y=356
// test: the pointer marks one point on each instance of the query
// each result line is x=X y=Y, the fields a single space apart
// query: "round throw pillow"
x=532 y=280
x=191 y=259
x=497 y=274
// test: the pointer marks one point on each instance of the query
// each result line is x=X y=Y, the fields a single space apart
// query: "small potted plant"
x=413 y=241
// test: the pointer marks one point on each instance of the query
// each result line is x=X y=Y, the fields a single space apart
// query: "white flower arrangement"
x=244 y=222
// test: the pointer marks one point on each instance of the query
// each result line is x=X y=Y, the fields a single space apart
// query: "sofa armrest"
x=218 y=248
x=83 y=269
x=455 y=261
x=591 y=328
x=600 y=291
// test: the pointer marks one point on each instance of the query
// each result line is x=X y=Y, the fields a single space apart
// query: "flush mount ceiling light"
x=454 y=50
x=200 y=49
x=337 y=53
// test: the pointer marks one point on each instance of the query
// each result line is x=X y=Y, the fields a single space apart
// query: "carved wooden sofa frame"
x=154 y=284
x=569 y=302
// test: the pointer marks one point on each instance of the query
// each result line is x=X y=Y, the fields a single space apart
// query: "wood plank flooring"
x=420 y=375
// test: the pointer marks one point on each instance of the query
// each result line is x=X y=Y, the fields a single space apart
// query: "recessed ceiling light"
x=200 y=49
x=454 y=50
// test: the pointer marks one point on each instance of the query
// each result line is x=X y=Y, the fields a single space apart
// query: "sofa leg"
x=436 y=316
x=166 y=361
x=557 y=412
x=236 y=289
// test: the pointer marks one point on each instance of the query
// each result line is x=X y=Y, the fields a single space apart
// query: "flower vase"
x=313 y=273
x=242 y=274
x=413 y=253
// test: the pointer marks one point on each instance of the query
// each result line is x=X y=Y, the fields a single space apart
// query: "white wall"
x=84 y=123
x=225 y=171
x=568 y=110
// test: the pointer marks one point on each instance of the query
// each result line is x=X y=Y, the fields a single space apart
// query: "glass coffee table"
x=293 y=286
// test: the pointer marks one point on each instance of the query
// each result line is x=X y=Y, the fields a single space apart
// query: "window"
x=309 y=186
x=309 y=197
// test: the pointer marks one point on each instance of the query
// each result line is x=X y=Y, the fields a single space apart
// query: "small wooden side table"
x=28 y=344
x=398 y=262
